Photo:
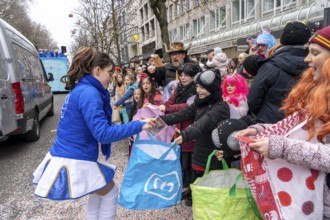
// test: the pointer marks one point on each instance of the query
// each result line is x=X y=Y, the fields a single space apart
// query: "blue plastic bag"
x=153 y=178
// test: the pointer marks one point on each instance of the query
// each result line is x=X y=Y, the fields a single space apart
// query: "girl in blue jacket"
x=71 y=168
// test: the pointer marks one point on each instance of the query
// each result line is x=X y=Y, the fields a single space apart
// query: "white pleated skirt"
x=59 y=178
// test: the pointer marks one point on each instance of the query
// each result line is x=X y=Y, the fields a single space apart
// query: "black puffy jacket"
x=206 y=118
x=167 y=73
x=274 y=81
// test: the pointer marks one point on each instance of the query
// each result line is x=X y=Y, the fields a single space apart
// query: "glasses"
x=261 y=45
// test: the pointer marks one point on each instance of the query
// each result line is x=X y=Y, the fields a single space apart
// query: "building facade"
x=223 y=23
x=143 y=37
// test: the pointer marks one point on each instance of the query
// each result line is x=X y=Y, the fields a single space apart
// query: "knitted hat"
x=190 y=69
x=295 y=33
x=217 y=50
x=313 y=26
x=209 y=80
x=322 y=38
x=251 y=65
x=223 y=131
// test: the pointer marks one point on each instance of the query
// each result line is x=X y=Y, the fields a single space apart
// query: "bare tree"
x=159 y=9
x=16 y=14
x=99 y=25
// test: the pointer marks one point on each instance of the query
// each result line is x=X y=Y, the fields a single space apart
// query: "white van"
x=25 y=96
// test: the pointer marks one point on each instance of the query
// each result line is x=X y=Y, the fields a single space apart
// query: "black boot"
x=188 y=202
x=186 y=194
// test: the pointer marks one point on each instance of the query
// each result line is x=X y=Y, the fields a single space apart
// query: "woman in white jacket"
x=219 y=62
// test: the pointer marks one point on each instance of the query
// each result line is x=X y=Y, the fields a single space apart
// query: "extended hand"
x=253 y=50
x=162 y=108
x=179 y=140
x=151 y=69
x=150 y=123
x=145 y=105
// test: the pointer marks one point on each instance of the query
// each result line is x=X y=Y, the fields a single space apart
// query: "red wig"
x=314 y=97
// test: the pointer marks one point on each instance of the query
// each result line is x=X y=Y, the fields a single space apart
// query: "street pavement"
x=18 y=160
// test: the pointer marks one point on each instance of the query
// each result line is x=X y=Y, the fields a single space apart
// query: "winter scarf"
x=211 y=99
x=184 y=92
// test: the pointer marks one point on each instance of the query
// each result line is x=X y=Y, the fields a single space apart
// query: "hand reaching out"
x=162 y=108
x=145 y=105
x=151 y=69
x=253 y=50
x=150 y=123
x=179 y=140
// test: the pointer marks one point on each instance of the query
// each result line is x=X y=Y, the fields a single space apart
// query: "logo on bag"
x=163 y=186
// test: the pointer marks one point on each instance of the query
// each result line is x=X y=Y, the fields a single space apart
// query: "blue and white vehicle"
x=56 y=67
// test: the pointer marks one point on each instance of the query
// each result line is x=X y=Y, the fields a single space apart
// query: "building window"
x=250 y=8
x=170 y=13
x=289 y=2
x=218 y=18
x=235 y=11
x=183 y=7
x=173 y=35
x=184 y=32
x=146 y=11
x=268 y=5
x=188 y=31
x=196 y=3
x=141 y=14
x=177 y=10
x=190 y=4
x=142 y=33
x=242 y=9
x=147 y=31
x=152 y=26
x=199 y=26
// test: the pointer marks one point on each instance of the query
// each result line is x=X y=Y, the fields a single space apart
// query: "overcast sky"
x=54 y=14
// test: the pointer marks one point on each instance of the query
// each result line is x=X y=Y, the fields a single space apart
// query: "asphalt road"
x=18 y=160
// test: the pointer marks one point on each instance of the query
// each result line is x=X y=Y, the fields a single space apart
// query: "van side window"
x=36 y=67
x=27 y=63
x=3 y=69
x=24 y=68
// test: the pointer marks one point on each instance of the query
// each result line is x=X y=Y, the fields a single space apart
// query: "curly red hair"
x=315 y=98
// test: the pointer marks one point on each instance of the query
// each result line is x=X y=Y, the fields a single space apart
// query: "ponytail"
x=83 y=63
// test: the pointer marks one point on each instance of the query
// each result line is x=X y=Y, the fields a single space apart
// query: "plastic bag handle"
x=207 y=169
x=168 y=151
x=232 y=193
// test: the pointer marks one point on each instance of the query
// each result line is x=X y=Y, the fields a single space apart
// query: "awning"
x=228 y=38
x=136 y=58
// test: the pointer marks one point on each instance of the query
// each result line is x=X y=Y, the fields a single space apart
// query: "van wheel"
x=51 y=111
x=34 y=134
